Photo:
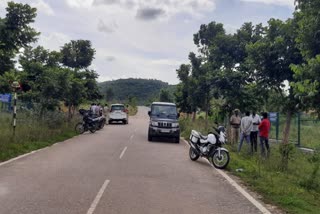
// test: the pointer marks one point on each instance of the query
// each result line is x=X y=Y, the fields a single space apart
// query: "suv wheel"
x=149 y=138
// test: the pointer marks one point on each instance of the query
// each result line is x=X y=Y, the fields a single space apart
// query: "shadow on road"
x=116 y=123
x=162 y=140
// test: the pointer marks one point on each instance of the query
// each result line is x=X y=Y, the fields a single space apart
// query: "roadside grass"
x=295 y=191
x=31 y=134
x=133 y=110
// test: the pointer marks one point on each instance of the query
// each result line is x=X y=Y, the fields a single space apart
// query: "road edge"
x=233 y=183
x=32 y=152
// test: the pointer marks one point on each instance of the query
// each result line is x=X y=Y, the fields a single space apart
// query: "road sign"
x=5 y=98
x=273 y=116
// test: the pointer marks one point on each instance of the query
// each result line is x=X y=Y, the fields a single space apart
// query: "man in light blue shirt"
x=246 y=127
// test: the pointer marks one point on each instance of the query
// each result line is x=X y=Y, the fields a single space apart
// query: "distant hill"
x=145 y=90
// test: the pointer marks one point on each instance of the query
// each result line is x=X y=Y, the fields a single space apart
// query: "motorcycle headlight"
x=175 y=125
x=154 y=123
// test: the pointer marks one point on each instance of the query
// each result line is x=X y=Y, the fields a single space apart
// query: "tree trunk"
x=286 y=132
x=286 y=148
x=206 y=117
x=73 y=110
x=194 y=116
x=69 y=112
x=207 y=112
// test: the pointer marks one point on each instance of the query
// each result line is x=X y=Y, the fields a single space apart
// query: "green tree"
x=307 y=85
x=77 y=54
x=165 y=96
x=271 y=57
x=183 y=93
x=15 y=33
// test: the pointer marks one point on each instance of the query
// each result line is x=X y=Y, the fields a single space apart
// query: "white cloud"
x=79 y=3
x=107 y=28
x=43 y=7
x=53 y=41
x=160 y=7
x=166 y=62
x=275 y=2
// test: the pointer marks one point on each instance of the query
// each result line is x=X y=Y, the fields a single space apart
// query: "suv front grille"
x=165 y=125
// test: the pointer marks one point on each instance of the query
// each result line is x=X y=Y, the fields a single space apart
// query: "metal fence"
x=304 y=129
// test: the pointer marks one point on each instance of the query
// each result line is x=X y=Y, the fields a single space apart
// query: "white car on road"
x=118 y=112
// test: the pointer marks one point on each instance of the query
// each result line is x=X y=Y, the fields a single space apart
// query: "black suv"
x=164 y=121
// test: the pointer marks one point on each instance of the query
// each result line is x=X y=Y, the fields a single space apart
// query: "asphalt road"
x=116 y=170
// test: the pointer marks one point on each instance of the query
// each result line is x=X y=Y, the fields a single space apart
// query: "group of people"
x=99 y=110
x=248 y=128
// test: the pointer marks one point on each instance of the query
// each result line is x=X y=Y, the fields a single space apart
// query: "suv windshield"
x=117 y=108
x=164 y=111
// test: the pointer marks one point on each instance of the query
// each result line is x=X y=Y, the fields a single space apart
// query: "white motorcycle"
x=210 y=147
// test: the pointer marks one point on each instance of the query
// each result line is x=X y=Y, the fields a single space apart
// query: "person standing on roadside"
x=264 y=129
x=106 y=112
x=235 y=121
x=100 y=110
x=254 y=132
x=93 y=108
x=246 y=127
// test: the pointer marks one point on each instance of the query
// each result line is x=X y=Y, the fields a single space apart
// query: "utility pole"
x=15 y=86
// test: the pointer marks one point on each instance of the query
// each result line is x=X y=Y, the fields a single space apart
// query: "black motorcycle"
x=89 y=122
x=209 y=147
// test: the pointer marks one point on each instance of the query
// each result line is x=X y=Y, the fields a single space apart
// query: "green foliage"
x=165 y=96
x=77 y=54
x=15 y=33
x=221 y=71
x=46 y=77
x=132 y=106
x=307 y=75
x=32 y=133
x=307 y=87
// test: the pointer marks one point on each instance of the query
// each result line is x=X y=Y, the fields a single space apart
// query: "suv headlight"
x=154 y=123
x=175 y=125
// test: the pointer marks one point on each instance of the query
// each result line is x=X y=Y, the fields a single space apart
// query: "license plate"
x=165 y=131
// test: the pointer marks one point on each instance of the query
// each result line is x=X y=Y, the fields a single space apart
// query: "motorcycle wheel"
x=93 y=129
x=220 y=162
x=193 y=154
x=79 y=128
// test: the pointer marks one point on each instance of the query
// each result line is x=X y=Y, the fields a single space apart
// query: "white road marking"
x=123 y=151
x=98 y=197
x=239 y=188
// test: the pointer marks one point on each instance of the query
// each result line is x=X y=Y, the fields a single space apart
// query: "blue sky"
x=143 y=38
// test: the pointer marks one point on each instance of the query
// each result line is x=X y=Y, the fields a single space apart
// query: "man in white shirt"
x=93 y=108
x=246 y=127
x=254 y=132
